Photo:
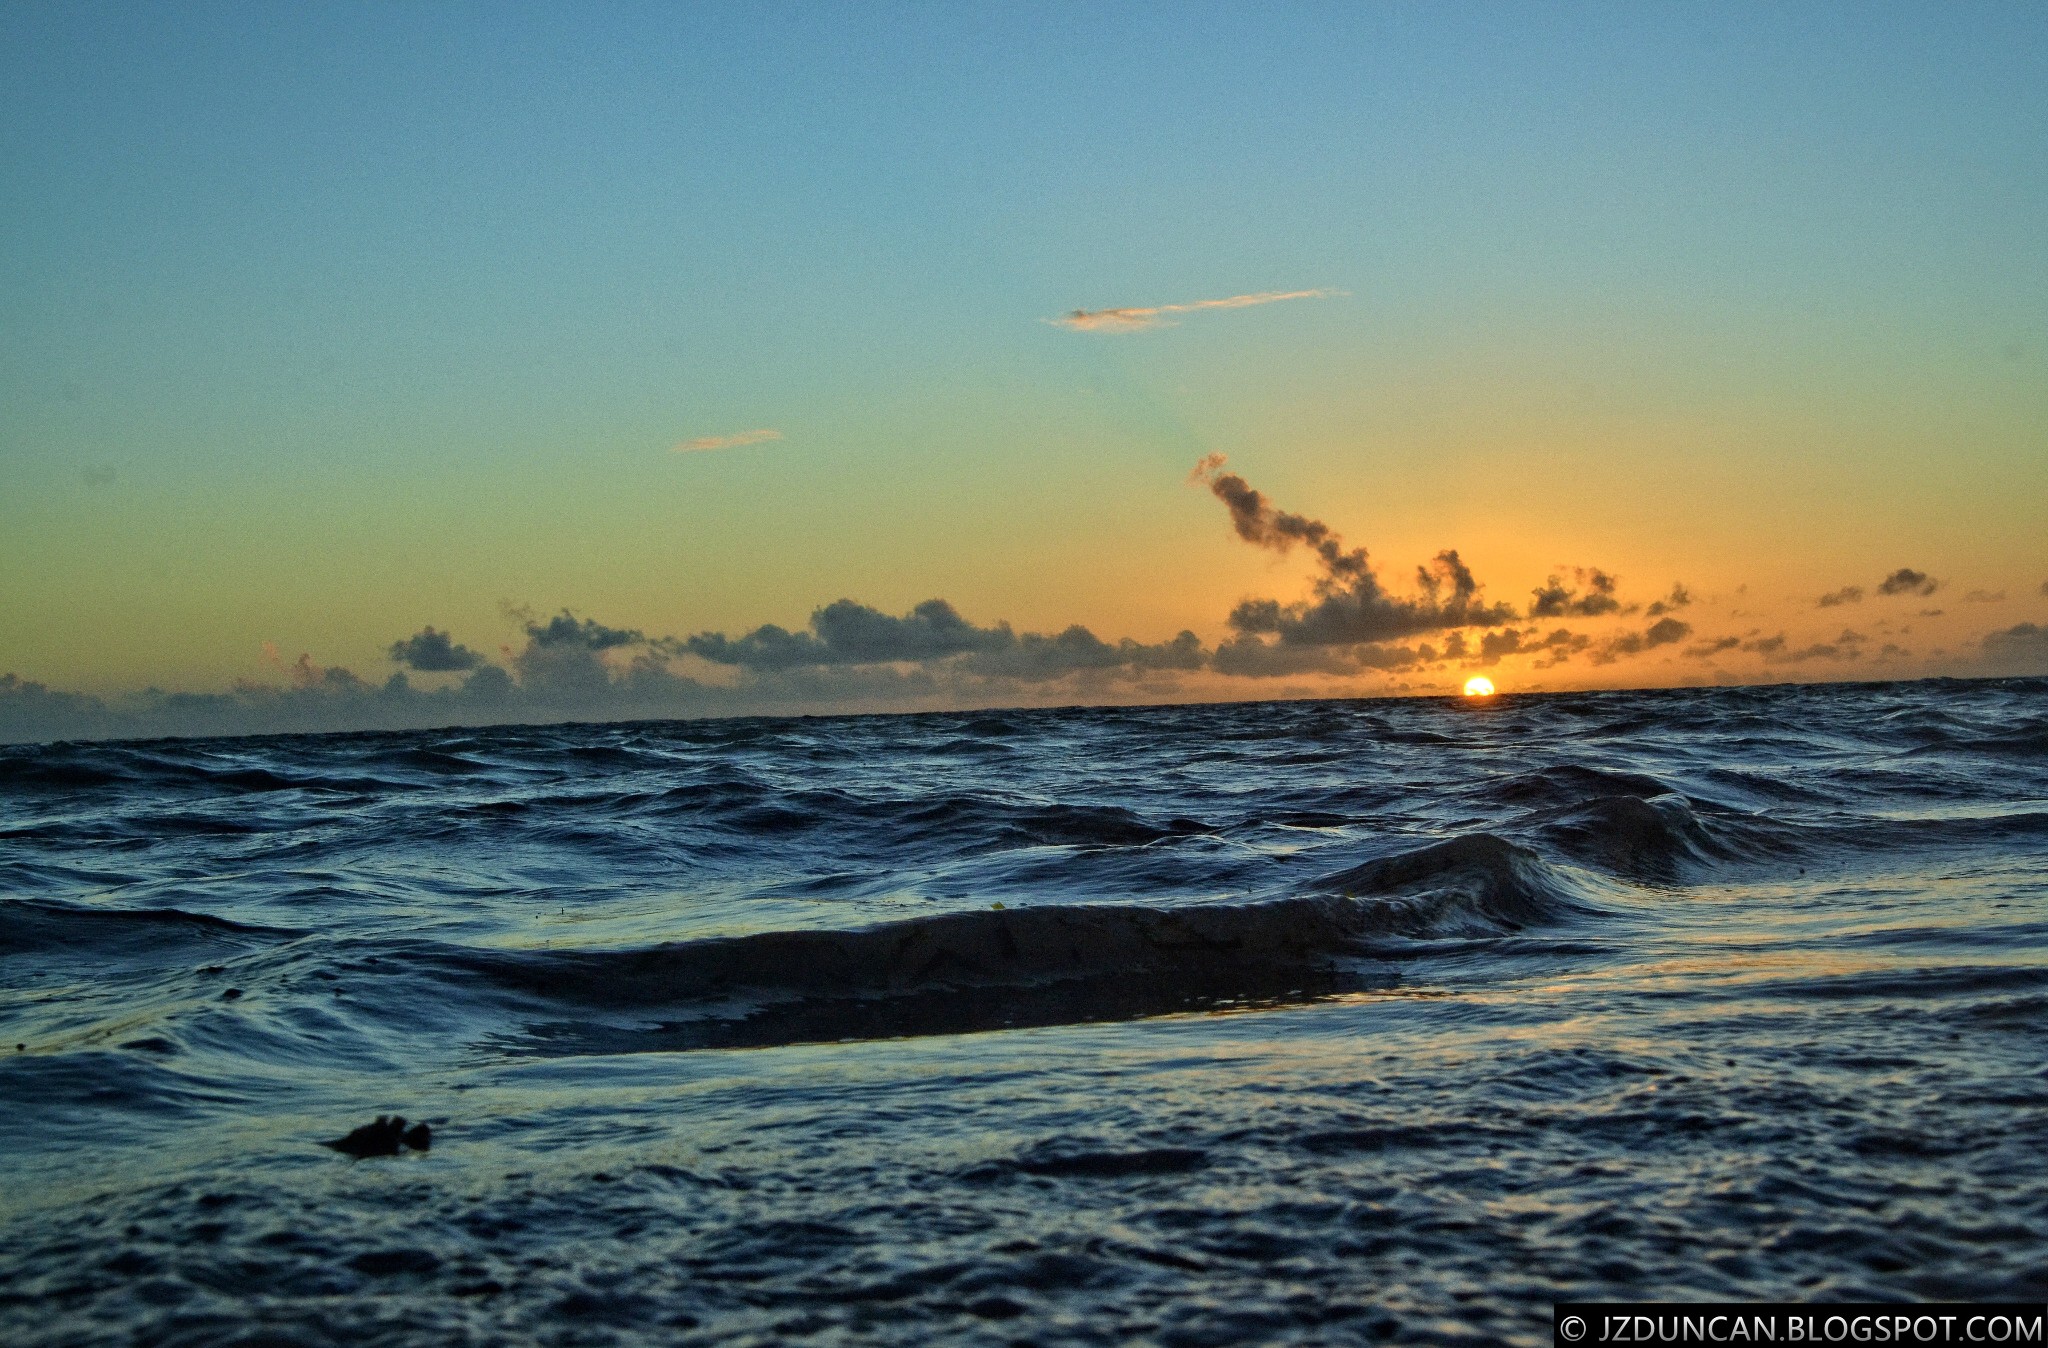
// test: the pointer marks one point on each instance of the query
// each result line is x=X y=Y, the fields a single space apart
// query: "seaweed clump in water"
x=384 y=1138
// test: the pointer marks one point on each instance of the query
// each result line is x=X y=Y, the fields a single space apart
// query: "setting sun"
x=1479 y=686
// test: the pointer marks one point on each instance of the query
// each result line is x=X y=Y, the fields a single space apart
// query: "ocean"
x=1289 y=1022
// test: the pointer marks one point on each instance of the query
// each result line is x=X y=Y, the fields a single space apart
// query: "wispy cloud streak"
x=1156 y=316
x=704 y=442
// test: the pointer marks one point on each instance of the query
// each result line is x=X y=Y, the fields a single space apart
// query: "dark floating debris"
x=384 y=1137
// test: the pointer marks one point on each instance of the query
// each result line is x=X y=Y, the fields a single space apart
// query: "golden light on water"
x=1479 y=686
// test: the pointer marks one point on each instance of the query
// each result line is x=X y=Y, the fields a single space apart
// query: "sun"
x=1479 y=686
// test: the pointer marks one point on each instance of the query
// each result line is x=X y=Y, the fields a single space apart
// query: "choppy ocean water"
x=1279 y=1023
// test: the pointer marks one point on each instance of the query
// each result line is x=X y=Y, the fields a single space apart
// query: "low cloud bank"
x=846 y=633
x=2019 y=649
x=850 y=656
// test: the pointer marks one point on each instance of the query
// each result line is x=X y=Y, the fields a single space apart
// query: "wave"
x=1055 y=963
x=1569 y=784
x=1662 y=837
x=2023 y=742
x=28 y=925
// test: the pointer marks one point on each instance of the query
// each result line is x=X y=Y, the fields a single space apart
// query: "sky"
x=378 y=365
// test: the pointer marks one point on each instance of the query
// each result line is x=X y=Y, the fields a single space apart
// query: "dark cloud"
x=432 y=652
x=1257 y=521
x=1776 y=650
x=1848 y=594
x=857 y=634
x=1555 y=649
x=568 y=668
x=1663 y=632
x=1494 y=645
x=1555 y=599
x=1250 y=658
x=566 y=630
x=2020 y=649
x=1906 y=580
x=1984 y=597
x=1032 y=657
x=1679 y=598
x=1560 y=646
x=1708 y=649
x=1820 y=650
x=30 y=710
x=322 y=699
x=846 y=633
x=1350 y=607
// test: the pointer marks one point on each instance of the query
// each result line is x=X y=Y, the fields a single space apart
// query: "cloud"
x=1494 y=645
x=1848 y=594
x=565 y=629
x=1137 y=320
x=704 y=442
x=1033 y=657
x=34 y=711
x=1248 y=657
x=849 y=658
x=2020 y=649
x=1554 y=599
x=1555 y=649
x=1984 y=597
x=303 y=673
x=331 y=699
x=1671 y=603
x=433 y=652
x=1559 y=647
x=1350 y=606
x=1775 y=650
x=1706 y=650
x=1906 y=580
x=1663 y=632
x=845 y=633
